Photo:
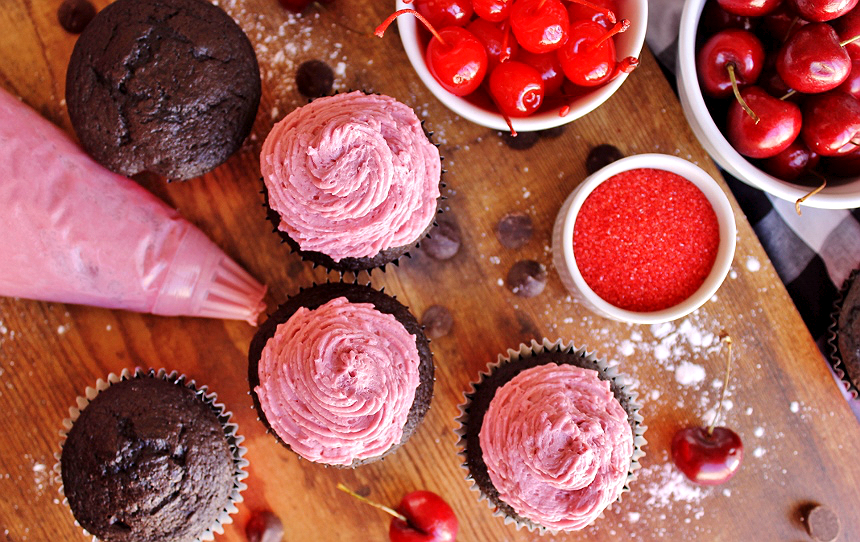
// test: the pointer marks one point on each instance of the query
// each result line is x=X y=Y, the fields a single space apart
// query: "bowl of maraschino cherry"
x=522 y=65
x=772 y=90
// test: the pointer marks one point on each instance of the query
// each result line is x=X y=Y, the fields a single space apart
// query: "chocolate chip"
x=520 y=142
x=314 y=78
x=75 y=15
x=527 y=278
x=514 y=230
x=264 y=526
x=822 y=523
x=600 y=156
x=443 y=241
x=437 y=321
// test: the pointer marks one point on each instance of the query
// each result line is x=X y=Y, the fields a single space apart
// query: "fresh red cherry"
x=831 y=123
x=794 y=161
x=517 y=89
x=454 y=56
x=847 y=27
x=812 y=60
x=779 y=24
x=430 y=519
x=822 y=10
x=442 y=13
x=749 y=8
x=852 y=84
x=601 y=12
x=714 y=19
x=707 y=457
x=496 y=39
x=778 y=125
x=540 y=26
x=737 y=48
x=846 y=165
x=588 y=57
x=494 y=11
x=549 y=67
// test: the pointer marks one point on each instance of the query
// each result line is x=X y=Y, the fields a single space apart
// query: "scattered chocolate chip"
x=314 y=78
x=520 y=142
x=437 y=321
x=443 y=241
x=601 y=155
x=822 y=523
x=514 y=230
x=75 y=15
x=552 y=133
x=264 y=526
x=527 y=278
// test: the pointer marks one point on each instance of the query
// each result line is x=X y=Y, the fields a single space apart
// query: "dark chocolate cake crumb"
x=521 y=141
x=600 y=156
x=527 y=278
x=443 y=241
x=437 y=321
x=314 y=78
x=822 y=523
x=514 y=230
x=264 y=526
x=75 y=15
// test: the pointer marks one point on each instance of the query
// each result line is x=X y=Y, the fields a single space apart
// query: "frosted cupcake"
x=351 y=180
x=551 y=437
x=341 y=374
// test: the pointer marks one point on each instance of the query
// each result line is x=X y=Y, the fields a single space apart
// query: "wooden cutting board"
x=800 y=437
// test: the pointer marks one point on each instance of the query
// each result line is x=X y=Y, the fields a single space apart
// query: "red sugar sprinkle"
x=646 y=239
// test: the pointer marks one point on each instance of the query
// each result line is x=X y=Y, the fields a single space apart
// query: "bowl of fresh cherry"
x=772 y=90
x=523 y=65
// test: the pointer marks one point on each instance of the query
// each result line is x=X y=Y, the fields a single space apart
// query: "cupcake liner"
x=356 y=292
x=234 y=440
x=516 y=361
x=835 y=358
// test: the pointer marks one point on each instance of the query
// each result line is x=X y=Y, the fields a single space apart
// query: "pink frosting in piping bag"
x=73 y=232
x=337 y=382
x=557 y=445
x=351 y=175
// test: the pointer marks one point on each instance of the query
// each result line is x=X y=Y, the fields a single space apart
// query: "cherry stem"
x=810 y=194
x=790 y=27
x=380 y=30
x=606 y=11
x=789 y=94
x=382 y=507
x=505 y=55
x=619 y=27
x=625 y=65
x=726 y=338
x=852 y=40
x=731 y=68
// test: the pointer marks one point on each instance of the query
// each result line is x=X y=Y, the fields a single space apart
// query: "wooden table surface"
x=800 y=436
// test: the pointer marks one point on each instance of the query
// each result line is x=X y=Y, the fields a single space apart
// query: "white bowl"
x=562 y=239
x=845 y=195
x=627 y=44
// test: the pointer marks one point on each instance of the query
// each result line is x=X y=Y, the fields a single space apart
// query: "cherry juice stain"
x=645 y=240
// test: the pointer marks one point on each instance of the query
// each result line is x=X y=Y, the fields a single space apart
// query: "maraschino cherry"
x=822 y=10
x=729 y=54
x=540 y=26
x=421 y=516
x=813 y=60
x=517 y=89
x=768 y=130
x=549 y=67
x=442 y=13
x=831 y=123
x=455 y=57
x=712 y=455
x=601 y=12
x=494 y=11
x=496 y=39
x=588 y=57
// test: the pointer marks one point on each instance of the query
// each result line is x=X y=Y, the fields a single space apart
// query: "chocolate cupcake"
x=352 y=181
x=149 y=456
x=341 y=374
x=550 y=436
x=844 y=336
x=165 y=86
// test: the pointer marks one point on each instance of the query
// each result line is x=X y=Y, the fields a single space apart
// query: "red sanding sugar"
x=646 y=239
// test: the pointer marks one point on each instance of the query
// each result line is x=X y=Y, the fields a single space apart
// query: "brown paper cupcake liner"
x=835 y=358
x=499 y=373
x=234 y=440
x=356 y=292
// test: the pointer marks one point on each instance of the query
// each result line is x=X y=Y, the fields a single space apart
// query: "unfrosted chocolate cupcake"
x=151 y=457
x=844 y=337
x=341 y=374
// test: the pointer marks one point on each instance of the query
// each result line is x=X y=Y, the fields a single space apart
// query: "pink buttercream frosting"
x=557 y=445
x=351 y=175
x=337 y=382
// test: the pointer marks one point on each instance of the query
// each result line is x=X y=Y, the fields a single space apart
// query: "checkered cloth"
x=813 y=253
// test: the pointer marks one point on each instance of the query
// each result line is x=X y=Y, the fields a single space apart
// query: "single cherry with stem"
x=712 y=455
x=831 y=123
x=517 y=89
x=775 y=125
x=421 y=516
x=588 y=57
x=540 y=26
x=454 y=56
x=738 y=48
x=813 y=60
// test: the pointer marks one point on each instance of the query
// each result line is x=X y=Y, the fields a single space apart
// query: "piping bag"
x=73 y=232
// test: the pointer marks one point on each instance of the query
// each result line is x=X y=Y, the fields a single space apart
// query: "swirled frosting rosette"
x=338 y=381
x=551 y=436
x=350 y=176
